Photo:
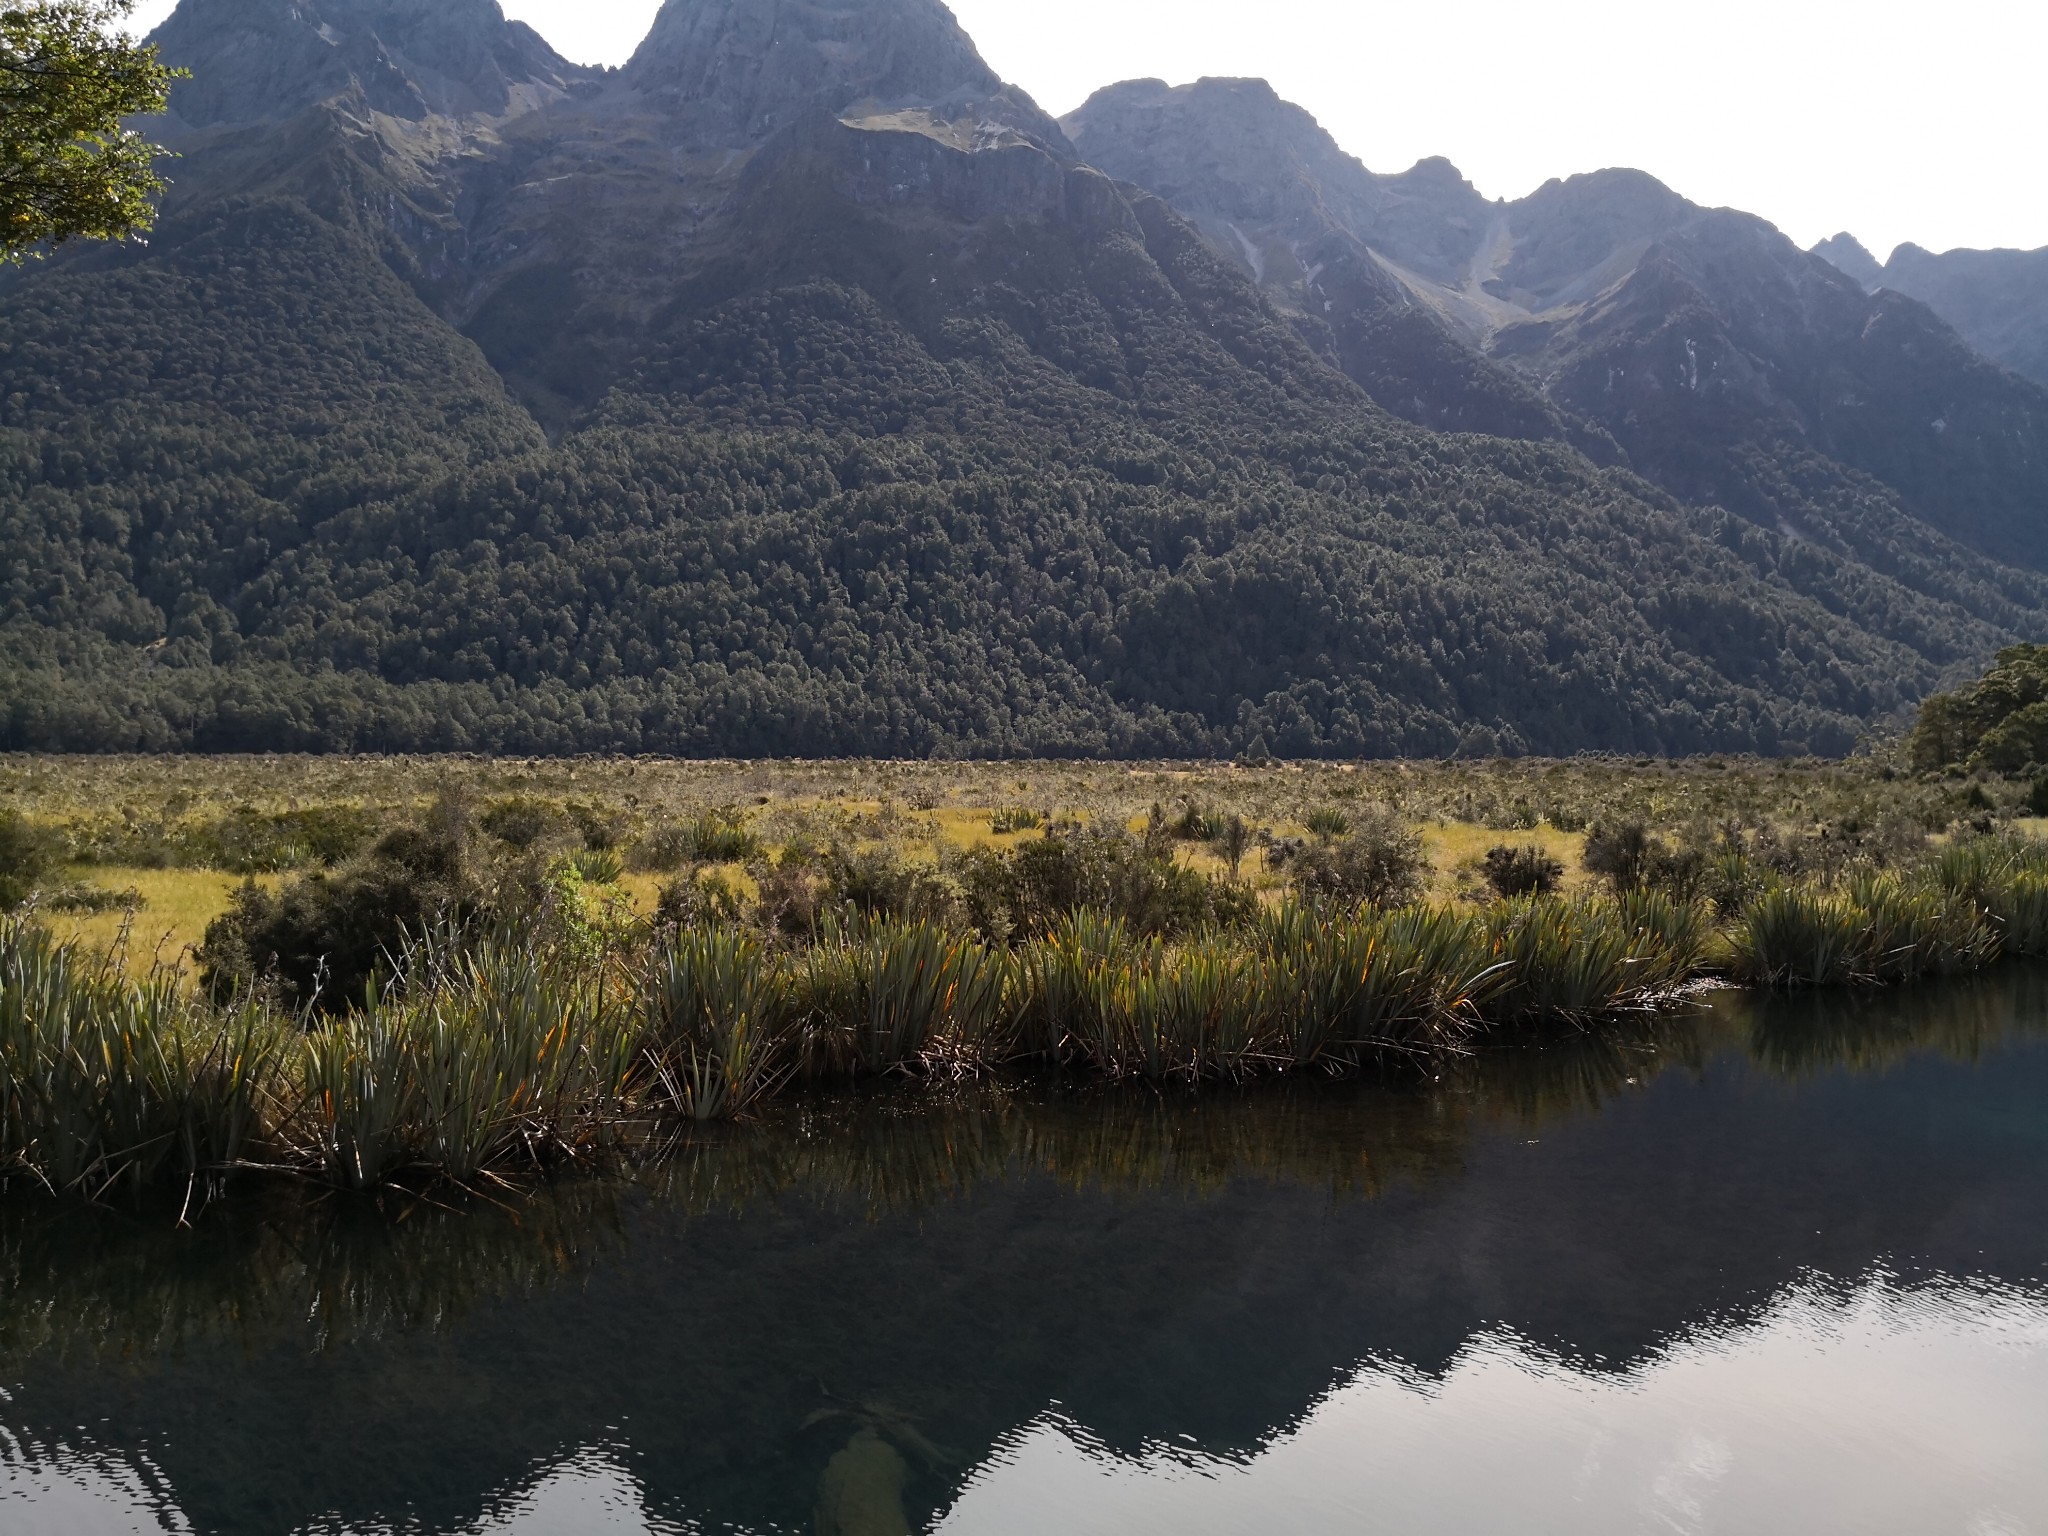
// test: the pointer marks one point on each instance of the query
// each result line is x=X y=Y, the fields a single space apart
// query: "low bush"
x=24 y=857
x=317 y=941
x=523 y=822
x=878 y=882
x=1379 y=863
x=1027 y=890
x=710 y=837
x=700 y=899
x=1624 y=854
x=1521 y=871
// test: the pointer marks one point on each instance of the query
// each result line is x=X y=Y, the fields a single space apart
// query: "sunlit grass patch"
x=1457 y=849
x=171 y=918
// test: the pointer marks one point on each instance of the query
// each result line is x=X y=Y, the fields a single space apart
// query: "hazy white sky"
x=1920 y=122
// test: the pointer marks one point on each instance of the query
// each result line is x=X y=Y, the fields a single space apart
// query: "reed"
x=1798 y=936
x=2019 y=908
x=1350 y=987
x=1880 y=928
x=1559 y=960
x=487 y=1058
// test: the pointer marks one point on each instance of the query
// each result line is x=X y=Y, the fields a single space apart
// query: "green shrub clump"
x=1027 y=890
x=1523 y=871
x=1378 y=863
x=24 y=858
x=318 y=941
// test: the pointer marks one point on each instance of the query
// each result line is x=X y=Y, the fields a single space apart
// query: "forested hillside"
x=909 y=434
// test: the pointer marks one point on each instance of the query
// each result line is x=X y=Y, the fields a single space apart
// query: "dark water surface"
x=1779 y=1268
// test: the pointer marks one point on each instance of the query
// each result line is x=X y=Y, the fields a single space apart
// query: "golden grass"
x=176 y=906
x=1457 y=849
x=921 y=808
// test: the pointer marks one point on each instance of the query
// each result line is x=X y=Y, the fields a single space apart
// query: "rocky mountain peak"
x=256 y=60
x=1849 y=256
x=736 y=71
x=1232 y=150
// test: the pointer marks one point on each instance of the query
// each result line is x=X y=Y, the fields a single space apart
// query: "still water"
x=1780 y=1267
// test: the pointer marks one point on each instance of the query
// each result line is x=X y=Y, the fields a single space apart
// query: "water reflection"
x=1709 y=1276
x=1737 y=1429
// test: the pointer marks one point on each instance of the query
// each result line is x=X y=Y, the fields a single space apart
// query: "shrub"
x=1028 y=890
x=249 y=842
x=700 y=899
x=710 y=837
x=24 y=857
x=792 y=894
x=1015 y=819
x=2037 y=797
x=319 y=940
x=1623 y=854
x=877 y=882
x=1380 y=863
x=522 y=821
x=1233 y=842
x=1522 y=871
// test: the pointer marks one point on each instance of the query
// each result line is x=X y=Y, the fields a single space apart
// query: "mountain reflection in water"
x=1781 y=1267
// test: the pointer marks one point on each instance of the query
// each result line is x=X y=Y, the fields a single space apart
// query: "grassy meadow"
x=370 y=971
x=166 y=828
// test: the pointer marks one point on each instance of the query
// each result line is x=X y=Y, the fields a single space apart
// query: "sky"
x=1890 y=121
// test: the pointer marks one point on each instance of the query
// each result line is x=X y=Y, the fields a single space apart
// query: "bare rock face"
x=1997 y=299
x=735 y=72
x=1846 y=254
x=258 y=60
x=1332 y=244
x=1232 y=153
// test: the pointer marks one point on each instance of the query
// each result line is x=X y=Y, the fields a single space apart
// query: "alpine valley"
x=803 y=388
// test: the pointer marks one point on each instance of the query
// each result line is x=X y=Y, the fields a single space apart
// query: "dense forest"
x=1076 y=489
x=801 y=530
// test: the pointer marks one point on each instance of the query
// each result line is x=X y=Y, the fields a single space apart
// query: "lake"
x=1774 y=1266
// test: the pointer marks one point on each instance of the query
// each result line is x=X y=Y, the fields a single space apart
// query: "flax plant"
x=499 y=1058
x=105 y=1080
x=719 y=1022
x=882 y=995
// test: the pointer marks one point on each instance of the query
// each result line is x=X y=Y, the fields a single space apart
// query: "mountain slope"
x=1702 y=341
x=1998 y=299
x=802 y=388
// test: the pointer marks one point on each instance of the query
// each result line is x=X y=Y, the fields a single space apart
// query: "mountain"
x=1327 y=241
x=1726 y=363
x=801 y=387
x=1847 y=255
x=1998 y=300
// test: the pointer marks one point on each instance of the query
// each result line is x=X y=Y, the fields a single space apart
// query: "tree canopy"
x=68 y=167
